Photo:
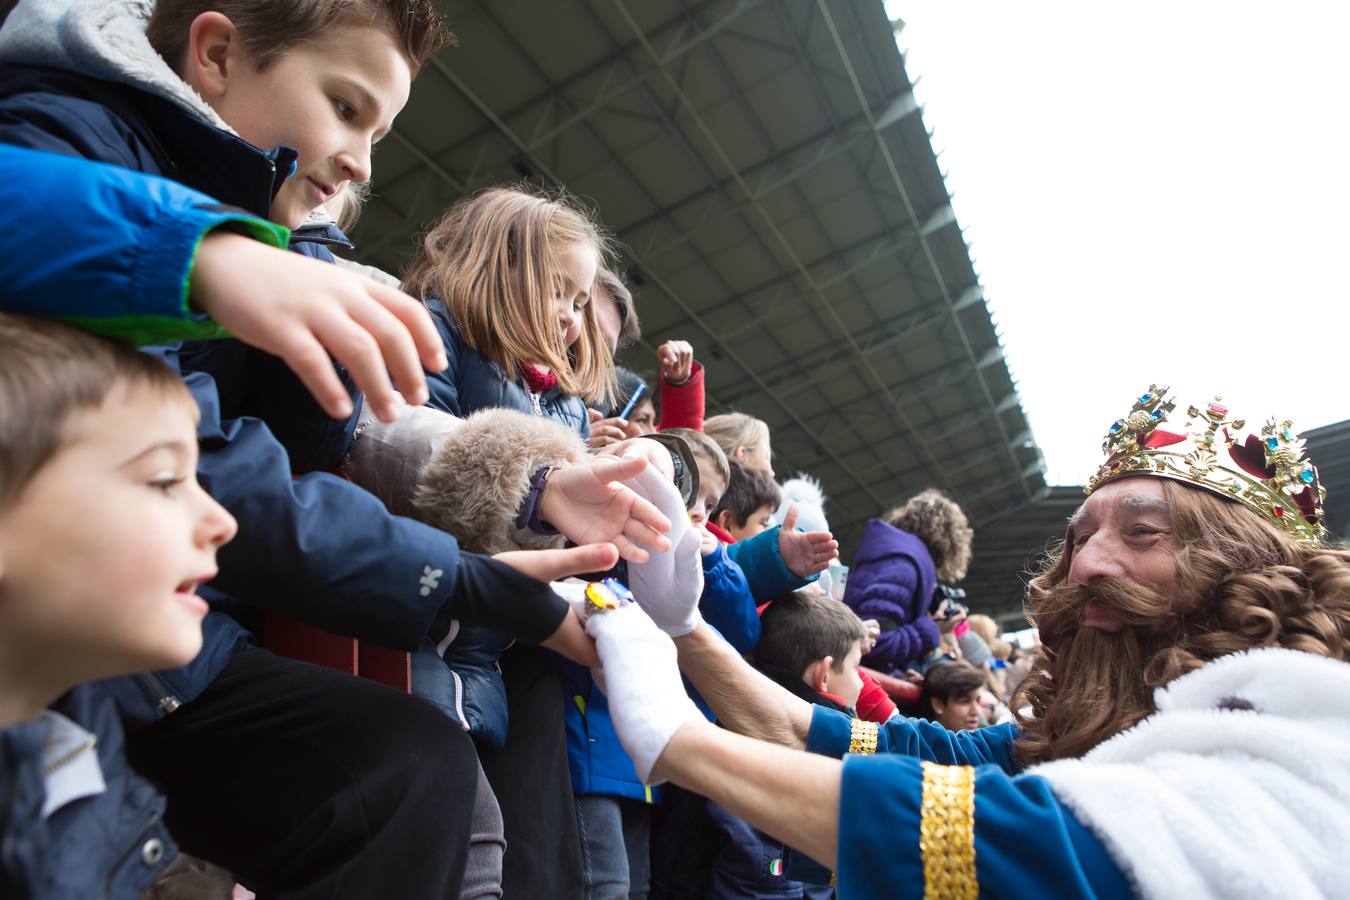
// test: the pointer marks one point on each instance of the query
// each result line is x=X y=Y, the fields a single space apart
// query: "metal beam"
x=874 y=247
x=879 y=252
x=787 y=248
x=771 y=175
x=617 y=63
x=884 y=149
x=797 y=375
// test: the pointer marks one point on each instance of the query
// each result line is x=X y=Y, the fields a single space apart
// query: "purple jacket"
x=892 y=578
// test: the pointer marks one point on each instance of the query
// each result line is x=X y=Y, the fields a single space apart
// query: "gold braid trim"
x=947 y=833
x=864 y=737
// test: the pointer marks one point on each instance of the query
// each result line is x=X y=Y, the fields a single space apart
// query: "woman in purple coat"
x=900 y=561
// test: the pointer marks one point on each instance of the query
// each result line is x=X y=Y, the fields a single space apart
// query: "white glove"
x=647 y=700
x=668 y=585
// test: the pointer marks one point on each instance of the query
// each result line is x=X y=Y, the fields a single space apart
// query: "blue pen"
x=633 y=401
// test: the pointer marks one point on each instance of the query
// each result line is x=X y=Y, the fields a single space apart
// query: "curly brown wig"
x=1241 y=584
x=939 y=522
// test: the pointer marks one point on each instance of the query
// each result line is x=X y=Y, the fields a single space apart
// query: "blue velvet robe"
x=1027 y=844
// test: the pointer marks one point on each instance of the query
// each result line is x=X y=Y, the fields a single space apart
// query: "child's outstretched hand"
x=587 y=503
x=805 y=553
x=302 y=310
x=677 y=361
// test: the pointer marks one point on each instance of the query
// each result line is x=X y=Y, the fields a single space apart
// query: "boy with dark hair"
x=810 y=644
x=747 y=505
x=302 y=781
x=951 y=694
x=105 y=536
x=813 y=639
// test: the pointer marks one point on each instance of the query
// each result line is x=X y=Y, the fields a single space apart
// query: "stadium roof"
x=767 y=167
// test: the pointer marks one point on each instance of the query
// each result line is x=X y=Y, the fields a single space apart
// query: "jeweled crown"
x=1268 y=473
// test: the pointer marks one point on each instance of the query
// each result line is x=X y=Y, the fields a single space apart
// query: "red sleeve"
x=718 y=533
x=873 y=703
x=682 y=406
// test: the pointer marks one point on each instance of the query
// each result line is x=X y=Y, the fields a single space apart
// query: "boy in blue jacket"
x=302 y=781
x=105 y=536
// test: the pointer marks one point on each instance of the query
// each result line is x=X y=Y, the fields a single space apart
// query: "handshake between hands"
x=639 y=672
x=638 y=667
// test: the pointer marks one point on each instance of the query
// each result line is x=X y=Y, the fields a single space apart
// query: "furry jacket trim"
x=474 y=482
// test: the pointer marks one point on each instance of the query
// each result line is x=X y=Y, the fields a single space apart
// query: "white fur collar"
x=103 y=39
x=1239 y=786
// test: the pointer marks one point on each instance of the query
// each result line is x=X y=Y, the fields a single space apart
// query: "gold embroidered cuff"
x=864 y=737
x=947 y=833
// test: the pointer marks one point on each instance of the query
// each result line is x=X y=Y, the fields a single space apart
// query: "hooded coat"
x=80 y=78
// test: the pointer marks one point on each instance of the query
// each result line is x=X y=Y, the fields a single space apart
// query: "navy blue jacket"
x=317 y=547
x=111 y=845
x=892 y=580
x=469 y=686
x=471 y=382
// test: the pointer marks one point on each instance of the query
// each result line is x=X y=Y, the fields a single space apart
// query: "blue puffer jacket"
x=317 y=548
x=595 y=757
x=468 y=684
x=892 y=581
x=112 y=844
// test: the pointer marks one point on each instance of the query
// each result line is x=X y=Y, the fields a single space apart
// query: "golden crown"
x=1267 y=473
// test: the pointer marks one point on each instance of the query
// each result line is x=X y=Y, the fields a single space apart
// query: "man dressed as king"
x=1184 y=732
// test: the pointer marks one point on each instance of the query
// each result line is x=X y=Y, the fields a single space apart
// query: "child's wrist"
x=532 y=505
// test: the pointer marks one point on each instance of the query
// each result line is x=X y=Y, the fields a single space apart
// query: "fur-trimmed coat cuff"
x=476 y=480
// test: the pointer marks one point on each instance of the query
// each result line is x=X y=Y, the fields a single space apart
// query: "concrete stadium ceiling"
x=767 y=169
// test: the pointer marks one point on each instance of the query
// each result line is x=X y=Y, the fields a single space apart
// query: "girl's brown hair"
x=939 y=522
x=493 y=260
x=1241 y=583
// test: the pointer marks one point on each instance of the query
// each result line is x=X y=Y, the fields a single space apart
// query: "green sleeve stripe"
x=147 y=330
x=261 y=230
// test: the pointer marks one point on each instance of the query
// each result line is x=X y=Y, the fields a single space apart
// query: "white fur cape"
x=1238 y=787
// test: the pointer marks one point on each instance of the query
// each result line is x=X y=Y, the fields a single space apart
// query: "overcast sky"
x=1153 y=192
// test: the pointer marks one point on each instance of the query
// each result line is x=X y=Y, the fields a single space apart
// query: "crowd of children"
x=412 y=467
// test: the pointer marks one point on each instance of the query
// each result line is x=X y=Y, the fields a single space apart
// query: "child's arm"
x=107 y=249
x=805 y=553
x=146 y=260
x=783 y=559
x=681 y=387
x=486 y=484
x=765 y=571
x=727 y=603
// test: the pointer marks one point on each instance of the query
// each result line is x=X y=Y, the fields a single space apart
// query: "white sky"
x=1153 y=192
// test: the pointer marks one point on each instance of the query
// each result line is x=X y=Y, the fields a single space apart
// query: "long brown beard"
x=1088 y=685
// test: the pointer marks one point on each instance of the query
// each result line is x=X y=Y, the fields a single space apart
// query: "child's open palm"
x=805 y=553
